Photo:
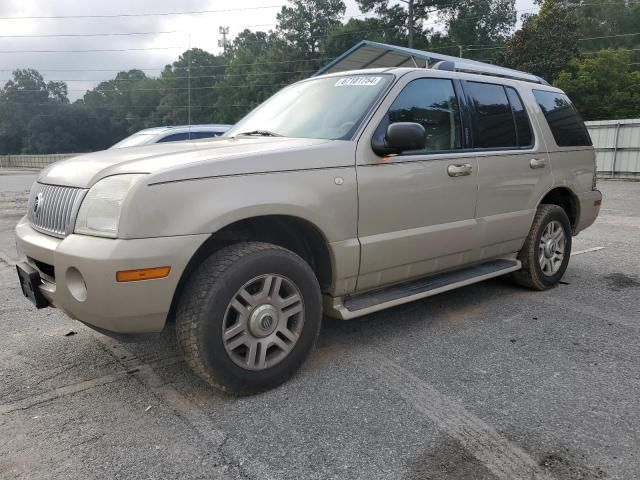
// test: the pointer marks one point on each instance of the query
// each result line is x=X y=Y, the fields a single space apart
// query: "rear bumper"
x=85 y=285
x=589 y=209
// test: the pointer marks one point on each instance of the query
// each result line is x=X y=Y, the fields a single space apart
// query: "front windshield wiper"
x=260 y=133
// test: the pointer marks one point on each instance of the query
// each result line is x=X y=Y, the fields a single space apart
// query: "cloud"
x=78 y=68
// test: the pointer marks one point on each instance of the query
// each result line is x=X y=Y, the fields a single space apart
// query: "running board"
x=357 y=305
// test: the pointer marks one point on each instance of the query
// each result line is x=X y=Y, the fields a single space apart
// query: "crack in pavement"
x=230 y=450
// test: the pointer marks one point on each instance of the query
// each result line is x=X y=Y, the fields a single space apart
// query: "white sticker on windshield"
x=365 y=81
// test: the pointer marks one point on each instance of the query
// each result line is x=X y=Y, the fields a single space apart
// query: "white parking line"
x=504 y=459
x=587 y=250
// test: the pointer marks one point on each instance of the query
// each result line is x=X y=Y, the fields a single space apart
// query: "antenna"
x=224 y=31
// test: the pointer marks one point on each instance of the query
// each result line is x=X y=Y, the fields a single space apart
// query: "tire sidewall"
x=211 y=346
x=559 y=215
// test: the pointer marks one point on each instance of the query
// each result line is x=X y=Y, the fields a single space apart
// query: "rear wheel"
x=546 y=251
x=249 y=317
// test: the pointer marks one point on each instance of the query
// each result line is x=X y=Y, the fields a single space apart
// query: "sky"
x=165 y=35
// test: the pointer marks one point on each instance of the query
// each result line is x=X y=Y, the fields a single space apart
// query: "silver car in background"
x=172 y=134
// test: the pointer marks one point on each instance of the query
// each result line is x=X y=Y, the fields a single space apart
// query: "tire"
x=532 y=274
x=231 y=290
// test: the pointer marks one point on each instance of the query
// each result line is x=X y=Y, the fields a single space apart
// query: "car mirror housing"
x=401 y=137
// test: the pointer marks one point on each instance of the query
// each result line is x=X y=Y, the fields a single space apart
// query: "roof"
x=368 y=54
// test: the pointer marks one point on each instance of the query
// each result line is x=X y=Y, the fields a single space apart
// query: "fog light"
x=142 y=274
x=75 y=284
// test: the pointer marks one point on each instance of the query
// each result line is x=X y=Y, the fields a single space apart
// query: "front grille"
x=52 y=209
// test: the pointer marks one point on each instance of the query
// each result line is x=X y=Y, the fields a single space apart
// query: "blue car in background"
x=172 y=134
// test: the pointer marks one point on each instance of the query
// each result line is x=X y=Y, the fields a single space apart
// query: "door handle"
x=459 y=170
x=537 y=163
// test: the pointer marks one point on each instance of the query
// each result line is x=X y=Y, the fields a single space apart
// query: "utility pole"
x=410 y=20
x=460 y=47
x=411 y=23
x=189 y=85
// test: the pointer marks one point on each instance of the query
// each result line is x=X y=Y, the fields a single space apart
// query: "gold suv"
x=343 y=194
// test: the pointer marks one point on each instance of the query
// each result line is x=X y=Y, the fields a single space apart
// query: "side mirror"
x=401 y=137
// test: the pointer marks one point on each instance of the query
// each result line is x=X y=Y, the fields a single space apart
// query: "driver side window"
x=432 y=103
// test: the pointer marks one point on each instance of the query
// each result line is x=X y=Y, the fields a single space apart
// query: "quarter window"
x=564 y=120
x=494 y=122
x=432 y=103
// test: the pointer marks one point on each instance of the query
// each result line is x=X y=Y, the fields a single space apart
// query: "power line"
x=152 y=14
x=94 y=50
x=114 y=34
x=610 y=36
x=160 y=89
x=167 y=79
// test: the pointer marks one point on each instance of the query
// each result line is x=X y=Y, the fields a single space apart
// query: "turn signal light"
x=142 y=274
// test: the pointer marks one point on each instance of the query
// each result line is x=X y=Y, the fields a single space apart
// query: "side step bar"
x=357 y=305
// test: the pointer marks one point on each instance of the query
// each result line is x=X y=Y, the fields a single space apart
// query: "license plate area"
x=30 y=282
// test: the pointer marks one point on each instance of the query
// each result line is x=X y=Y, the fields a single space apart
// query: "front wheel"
x=546 y=251
x=249 y=317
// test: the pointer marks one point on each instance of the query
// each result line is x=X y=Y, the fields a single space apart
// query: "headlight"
x=100 y=210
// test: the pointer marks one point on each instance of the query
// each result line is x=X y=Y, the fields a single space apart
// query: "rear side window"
x=564 y=120
x=523 y=127
x=494 y=124
x=500 y=119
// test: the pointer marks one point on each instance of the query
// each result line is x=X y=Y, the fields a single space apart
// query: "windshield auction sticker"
x=364 y=81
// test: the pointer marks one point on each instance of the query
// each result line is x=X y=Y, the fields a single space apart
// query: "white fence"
x=617 y=144
x=32 y=161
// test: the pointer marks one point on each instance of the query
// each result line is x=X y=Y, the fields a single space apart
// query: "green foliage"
x=546 y=43
x=24 y=97
x=603 y=86
x=207 y=75
x=307 y=22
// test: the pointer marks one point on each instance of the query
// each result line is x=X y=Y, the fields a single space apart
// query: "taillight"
x=594 y=182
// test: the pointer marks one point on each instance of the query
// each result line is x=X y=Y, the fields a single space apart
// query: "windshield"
x=134 y=140
x=329 y=108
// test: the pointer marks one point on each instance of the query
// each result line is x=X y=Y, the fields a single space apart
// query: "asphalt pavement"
x=491 y=381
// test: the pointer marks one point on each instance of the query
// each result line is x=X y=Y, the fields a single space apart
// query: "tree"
x=546 y=43
x=603 y=86
x=406 y=18
x=306 y=23
x=69 y=130
x=26 y=95
x=479 y=22
x=258 y=65
x=207 y=74
x=131 y=98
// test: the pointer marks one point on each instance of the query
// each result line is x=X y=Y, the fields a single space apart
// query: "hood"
x=226 y=153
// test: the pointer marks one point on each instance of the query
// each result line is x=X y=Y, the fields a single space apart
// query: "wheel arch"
x=565 y=198
x=291 y=232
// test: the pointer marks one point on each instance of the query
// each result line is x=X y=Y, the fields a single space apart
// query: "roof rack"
x=368 y=54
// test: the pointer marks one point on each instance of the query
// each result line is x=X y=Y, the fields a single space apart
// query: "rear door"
x=513 y=166
x=416 y=210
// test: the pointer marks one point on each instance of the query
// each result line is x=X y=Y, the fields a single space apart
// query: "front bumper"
x=84 y=283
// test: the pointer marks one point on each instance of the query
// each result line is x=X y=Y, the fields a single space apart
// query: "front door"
x=416 y=210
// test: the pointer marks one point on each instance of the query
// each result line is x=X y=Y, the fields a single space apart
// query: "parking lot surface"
x=491 y=381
